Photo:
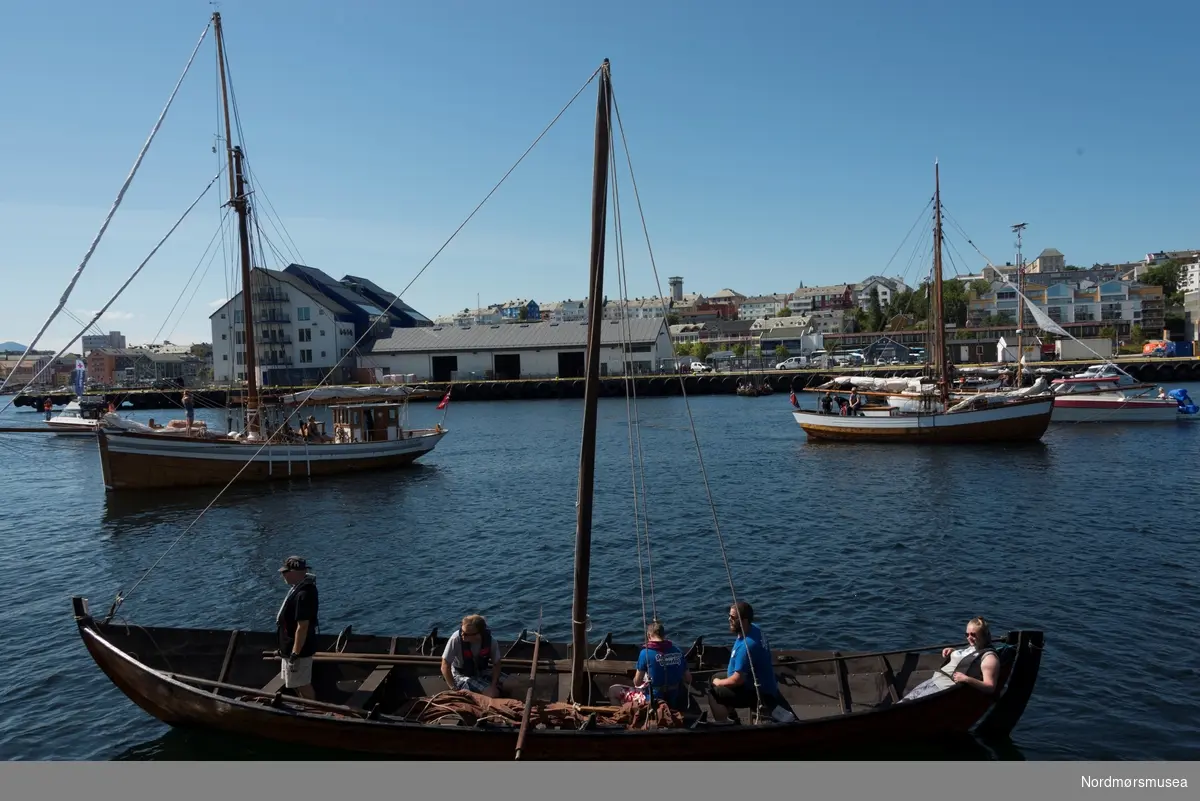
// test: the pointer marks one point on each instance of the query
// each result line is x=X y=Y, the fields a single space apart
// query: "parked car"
x=700 y=367
x=792 y=363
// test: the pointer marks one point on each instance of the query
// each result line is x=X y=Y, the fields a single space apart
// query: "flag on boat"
x=445 y=400
x=80 y=376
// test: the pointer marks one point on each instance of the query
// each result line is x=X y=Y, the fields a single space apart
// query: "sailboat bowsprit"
x=386 y=695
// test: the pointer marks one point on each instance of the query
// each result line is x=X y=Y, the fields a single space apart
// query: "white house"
x=887 y=288
x=633 y=309
x=760 y=307
x=300 y=334
x=538 y=349
x=564 y=311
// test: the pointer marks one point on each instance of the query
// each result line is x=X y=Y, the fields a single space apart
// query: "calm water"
x=1090 y=536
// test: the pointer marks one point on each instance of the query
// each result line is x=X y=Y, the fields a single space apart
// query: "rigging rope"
x=683 y=389
x=121 y=597
x=111 y=212
x=128 y=281
x=631 y=408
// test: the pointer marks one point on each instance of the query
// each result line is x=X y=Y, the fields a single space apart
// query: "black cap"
x=294 y=563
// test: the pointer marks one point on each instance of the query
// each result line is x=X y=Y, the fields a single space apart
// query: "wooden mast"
x=237 y=199
x=1020 y=369
x=591 y=391
x=939 y=311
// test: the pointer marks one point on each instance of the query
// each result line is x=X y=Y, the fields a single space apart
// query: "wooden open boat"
x=374 y=691
x=385 y=695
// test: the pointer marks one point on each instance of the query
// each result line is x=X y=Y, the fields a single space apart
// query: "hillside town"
x=310 y=323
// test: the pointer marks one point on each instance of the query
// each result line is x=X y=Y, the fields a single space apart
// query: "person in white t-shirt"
x=976 y=664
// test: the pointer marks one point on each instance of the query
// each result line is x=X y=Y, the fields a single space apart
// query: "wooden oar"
x=593 y=665
x=529 y=694
x=255 y=691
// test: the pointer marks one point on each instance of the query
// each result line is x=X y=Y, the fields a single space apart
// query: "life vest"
x=974 y=662
x=476 y=662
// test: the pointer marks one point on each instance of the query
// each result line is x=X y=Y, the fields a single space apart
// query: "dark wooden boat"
x=373 y=691
x=385 y=695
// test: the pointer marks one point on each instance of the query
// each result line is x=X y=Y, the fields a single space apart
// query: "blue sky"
x=773 y=143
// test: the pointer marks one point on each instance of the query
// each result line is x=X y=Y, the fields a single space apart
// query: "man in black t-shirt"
x=297 y=624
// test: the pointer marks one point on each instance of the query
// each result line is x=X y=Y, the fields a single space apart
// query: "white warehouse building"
x=508 y=351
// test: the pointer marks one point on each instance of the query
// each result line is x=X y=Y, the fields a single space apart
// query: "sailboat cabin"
x=367 y=422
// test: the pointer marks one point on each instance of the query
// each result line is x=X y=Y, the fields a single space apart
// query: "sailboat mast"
x=939 y=321
x=237 y=199
x=1020 y=371
x=591 y=391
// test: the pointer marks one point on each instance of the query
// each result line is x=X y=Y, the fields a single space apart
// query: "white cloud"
x=216 y=304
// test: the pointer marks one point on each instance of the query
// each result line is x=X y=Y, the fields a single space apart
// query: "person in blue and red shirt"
x=661 y=670
x=749 y=662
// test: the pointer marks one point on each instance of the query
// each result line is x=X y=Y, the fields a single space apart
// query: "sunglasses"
x=972 y=634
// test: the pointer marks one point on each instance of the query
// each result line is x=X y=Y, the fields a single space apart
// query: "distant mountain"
x=12 y=346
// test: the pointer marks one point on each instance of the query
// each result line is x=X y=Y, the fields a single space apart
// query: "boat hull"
x=133 y=461
x=1021 y=421
x=123 y=654
x=75 y=429
x=1085 y=409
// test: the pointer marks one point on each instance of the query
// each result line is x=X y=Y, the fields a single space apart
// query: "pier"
x=1154 y=371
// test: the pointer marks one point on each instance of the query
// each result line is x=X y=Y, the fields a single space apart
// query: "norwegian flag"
x=445 y=400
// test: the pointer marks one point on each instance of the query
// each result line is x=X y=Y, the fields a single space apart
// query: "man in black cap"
x=297 y=624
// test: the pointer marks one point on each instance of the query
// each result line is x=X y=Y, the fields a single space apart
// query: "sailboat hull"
x=133 y=461
x=146 y=664
x=1016 y=421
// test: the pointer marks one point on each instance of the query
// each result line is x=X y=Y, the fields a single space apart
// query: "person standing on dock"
x=48 y=408
x=298 y=625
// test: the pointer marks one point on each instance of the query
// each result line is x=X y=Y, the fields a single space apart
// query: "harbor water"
x=1089 y=535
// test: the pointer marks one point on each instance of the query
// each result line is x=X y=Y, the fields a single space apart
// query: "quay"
x=1157 y=371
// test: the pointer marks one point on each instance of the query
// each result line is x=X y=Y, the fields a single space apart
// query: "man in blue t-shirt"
x=749 y=662
x=661 y=669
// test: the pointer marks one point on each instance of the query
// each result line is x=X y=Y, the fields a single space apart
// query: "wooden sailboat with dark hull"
x=367 y=436
x=385 y=695
x=937 y=417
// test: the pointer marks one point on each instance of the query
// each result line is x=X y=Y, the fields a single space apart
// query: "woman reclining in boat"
x=976 y=664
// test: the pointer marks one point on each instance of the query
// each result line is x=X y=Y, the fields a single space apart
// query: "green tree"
x=781 y=352
x=980 y=287
x=683 y=348
x=1167 y=275
x=1136 y=335
x=701 y=350
x=523 y=313
x=739 y=350
x=874 y=311
x=954 y=300
x=784 y=312
x=672 y=319
x=1109 y=332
